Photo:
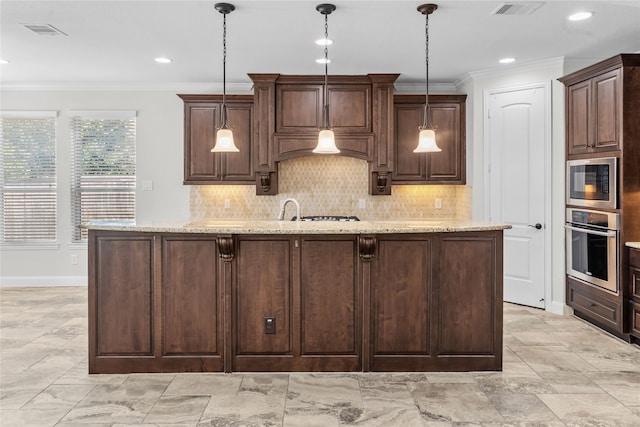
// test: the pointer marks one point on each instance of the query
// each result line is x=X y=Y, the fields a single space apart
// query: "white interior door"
x=518 y=133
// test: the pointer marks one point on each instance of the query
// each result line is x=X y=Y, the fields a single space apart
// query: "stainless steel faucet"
x=284 y=205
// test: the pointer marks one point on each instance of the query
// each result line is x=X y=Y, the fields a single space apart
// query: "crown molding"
x=511 y=69
x=418 y=88
x=232 y=88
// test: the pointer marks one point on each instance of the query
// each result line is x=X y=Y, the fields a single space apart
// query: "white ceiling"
x=114 y=43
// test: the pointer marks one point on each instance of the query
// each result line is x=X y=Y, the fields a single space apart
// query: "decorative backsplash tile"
x=330 y=185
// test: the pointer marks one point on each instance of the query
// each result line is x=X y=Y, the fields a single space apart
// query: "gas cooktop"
x=326 y=218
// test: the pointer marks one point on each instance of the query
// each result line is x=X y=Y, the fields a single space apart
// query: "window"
x=28 y=177
x=103 y=178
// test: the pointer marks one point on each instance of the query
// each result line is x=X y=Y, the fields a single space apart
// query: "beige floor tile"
x=454 y=402
x=585 y=408
x=557 y=371
x=324 y=391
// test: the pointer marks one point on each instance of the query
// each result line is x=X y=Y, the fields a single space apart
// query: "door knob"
x=538 y=226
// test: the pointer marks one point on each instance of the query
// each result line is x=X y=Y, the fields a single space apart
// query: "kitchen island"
x=238 y=295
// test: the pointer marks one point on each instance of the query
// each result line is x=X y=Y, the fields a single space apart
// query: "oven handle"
x=590 y=231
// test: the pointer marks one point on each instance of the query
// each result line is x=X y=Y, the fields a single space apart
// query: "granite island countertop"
x=249 y=226
x=635 y=245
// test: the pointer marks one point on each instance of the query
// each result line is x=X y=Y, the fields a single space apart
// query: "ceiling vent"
x=517 y=8
x=44 y=29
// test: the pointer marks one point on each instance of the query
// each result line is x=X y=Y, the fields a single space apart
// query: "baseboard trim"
x=557 y=307
x=42 y=281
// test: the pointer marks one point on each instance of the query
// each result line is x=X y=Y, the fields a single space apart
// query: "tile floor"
x=558 y=371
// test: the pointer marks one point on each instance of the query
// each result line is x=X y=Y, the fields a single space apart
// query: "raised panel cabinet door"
x=263 y=290
x=634 y=273
x=123 y=289
x=239 y=166
x=200 y=136
x=447 y=166
x=298 y=108
x=409 y=166
x=329 y=296
x=579 y=134
x=400 y=291
x=470 y=296
x=607 y=110
x=350 y=108
x=190 y=297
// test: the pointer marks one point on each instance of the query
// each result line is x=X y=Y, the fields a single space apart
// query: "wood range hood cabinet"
x=288 y=116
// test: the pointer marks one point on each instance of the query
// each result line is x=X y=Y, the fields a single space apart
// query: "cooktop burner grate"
x=327 y=218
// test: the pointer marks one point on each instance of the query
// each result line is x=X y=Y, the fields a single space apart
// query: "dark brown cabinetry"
x=595 y=118
x=155 y=304
x=447 y=113
x=602 y=111
x=172 y=302
x=201 y=120
x=306 y=287
x=417 y=321
x=288 y=115
x=634 y=289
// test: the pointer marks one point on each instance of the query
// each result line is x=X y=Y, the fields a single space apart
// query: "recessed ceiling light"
x=507 y=60
x=3 y=61
x=324 y=42
x=323 y=61
x=162 y=60
x=579 y=16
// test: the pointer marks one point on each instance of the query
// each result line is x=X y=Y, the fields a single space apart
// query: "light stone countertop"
x=244 y=226
x=635 y=245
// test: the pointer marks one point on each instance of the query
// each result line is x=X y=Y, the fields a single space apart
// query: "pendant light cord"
x=223 y=112
x=425 y=123
x=325 y=95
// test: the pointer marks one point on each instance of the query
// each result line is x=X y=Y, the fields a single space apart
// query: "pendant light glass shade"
x=224 y=142
x=427 y=142
x=427 y=136
x=326 y=143
x=224 y=135
x=326 y=138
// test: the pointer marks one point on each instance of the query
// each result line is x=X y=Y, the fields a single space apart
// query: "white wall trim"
x=556 y=307
x=232 y=88
x=42 y=281
x=511 y=70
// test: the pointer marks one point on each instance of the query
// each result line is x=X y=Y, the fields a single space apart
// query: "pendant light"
x=224 y=135
x=326 y=138
x=427 y=137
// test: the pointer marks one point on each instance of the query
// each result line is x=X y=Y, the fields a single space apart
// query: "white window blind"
x=28 y=177
x=103 y=168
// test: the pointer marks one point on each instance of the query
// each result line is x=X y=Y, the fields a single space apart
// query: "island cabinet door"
x=192 y=305
x=469 y=301
x=330 y=333
x=262 y=304
x=400 y=300
x=296 y=304
x=121 y=276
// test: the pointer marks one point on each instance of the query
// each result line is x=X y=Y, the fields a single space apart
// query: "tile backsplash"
x=330 y=185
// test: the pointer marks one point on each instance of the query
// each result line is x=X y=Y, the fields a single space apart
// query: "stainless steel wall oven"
x=592 y=247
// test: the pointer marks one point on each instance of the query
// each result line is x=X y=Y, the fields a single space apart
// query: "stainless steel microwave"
x=593 y=183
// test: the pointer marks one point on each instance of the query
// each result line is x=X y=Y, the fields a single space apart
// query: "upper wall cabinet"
x=447 y=113
x=201 y=120
x=599 y=106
